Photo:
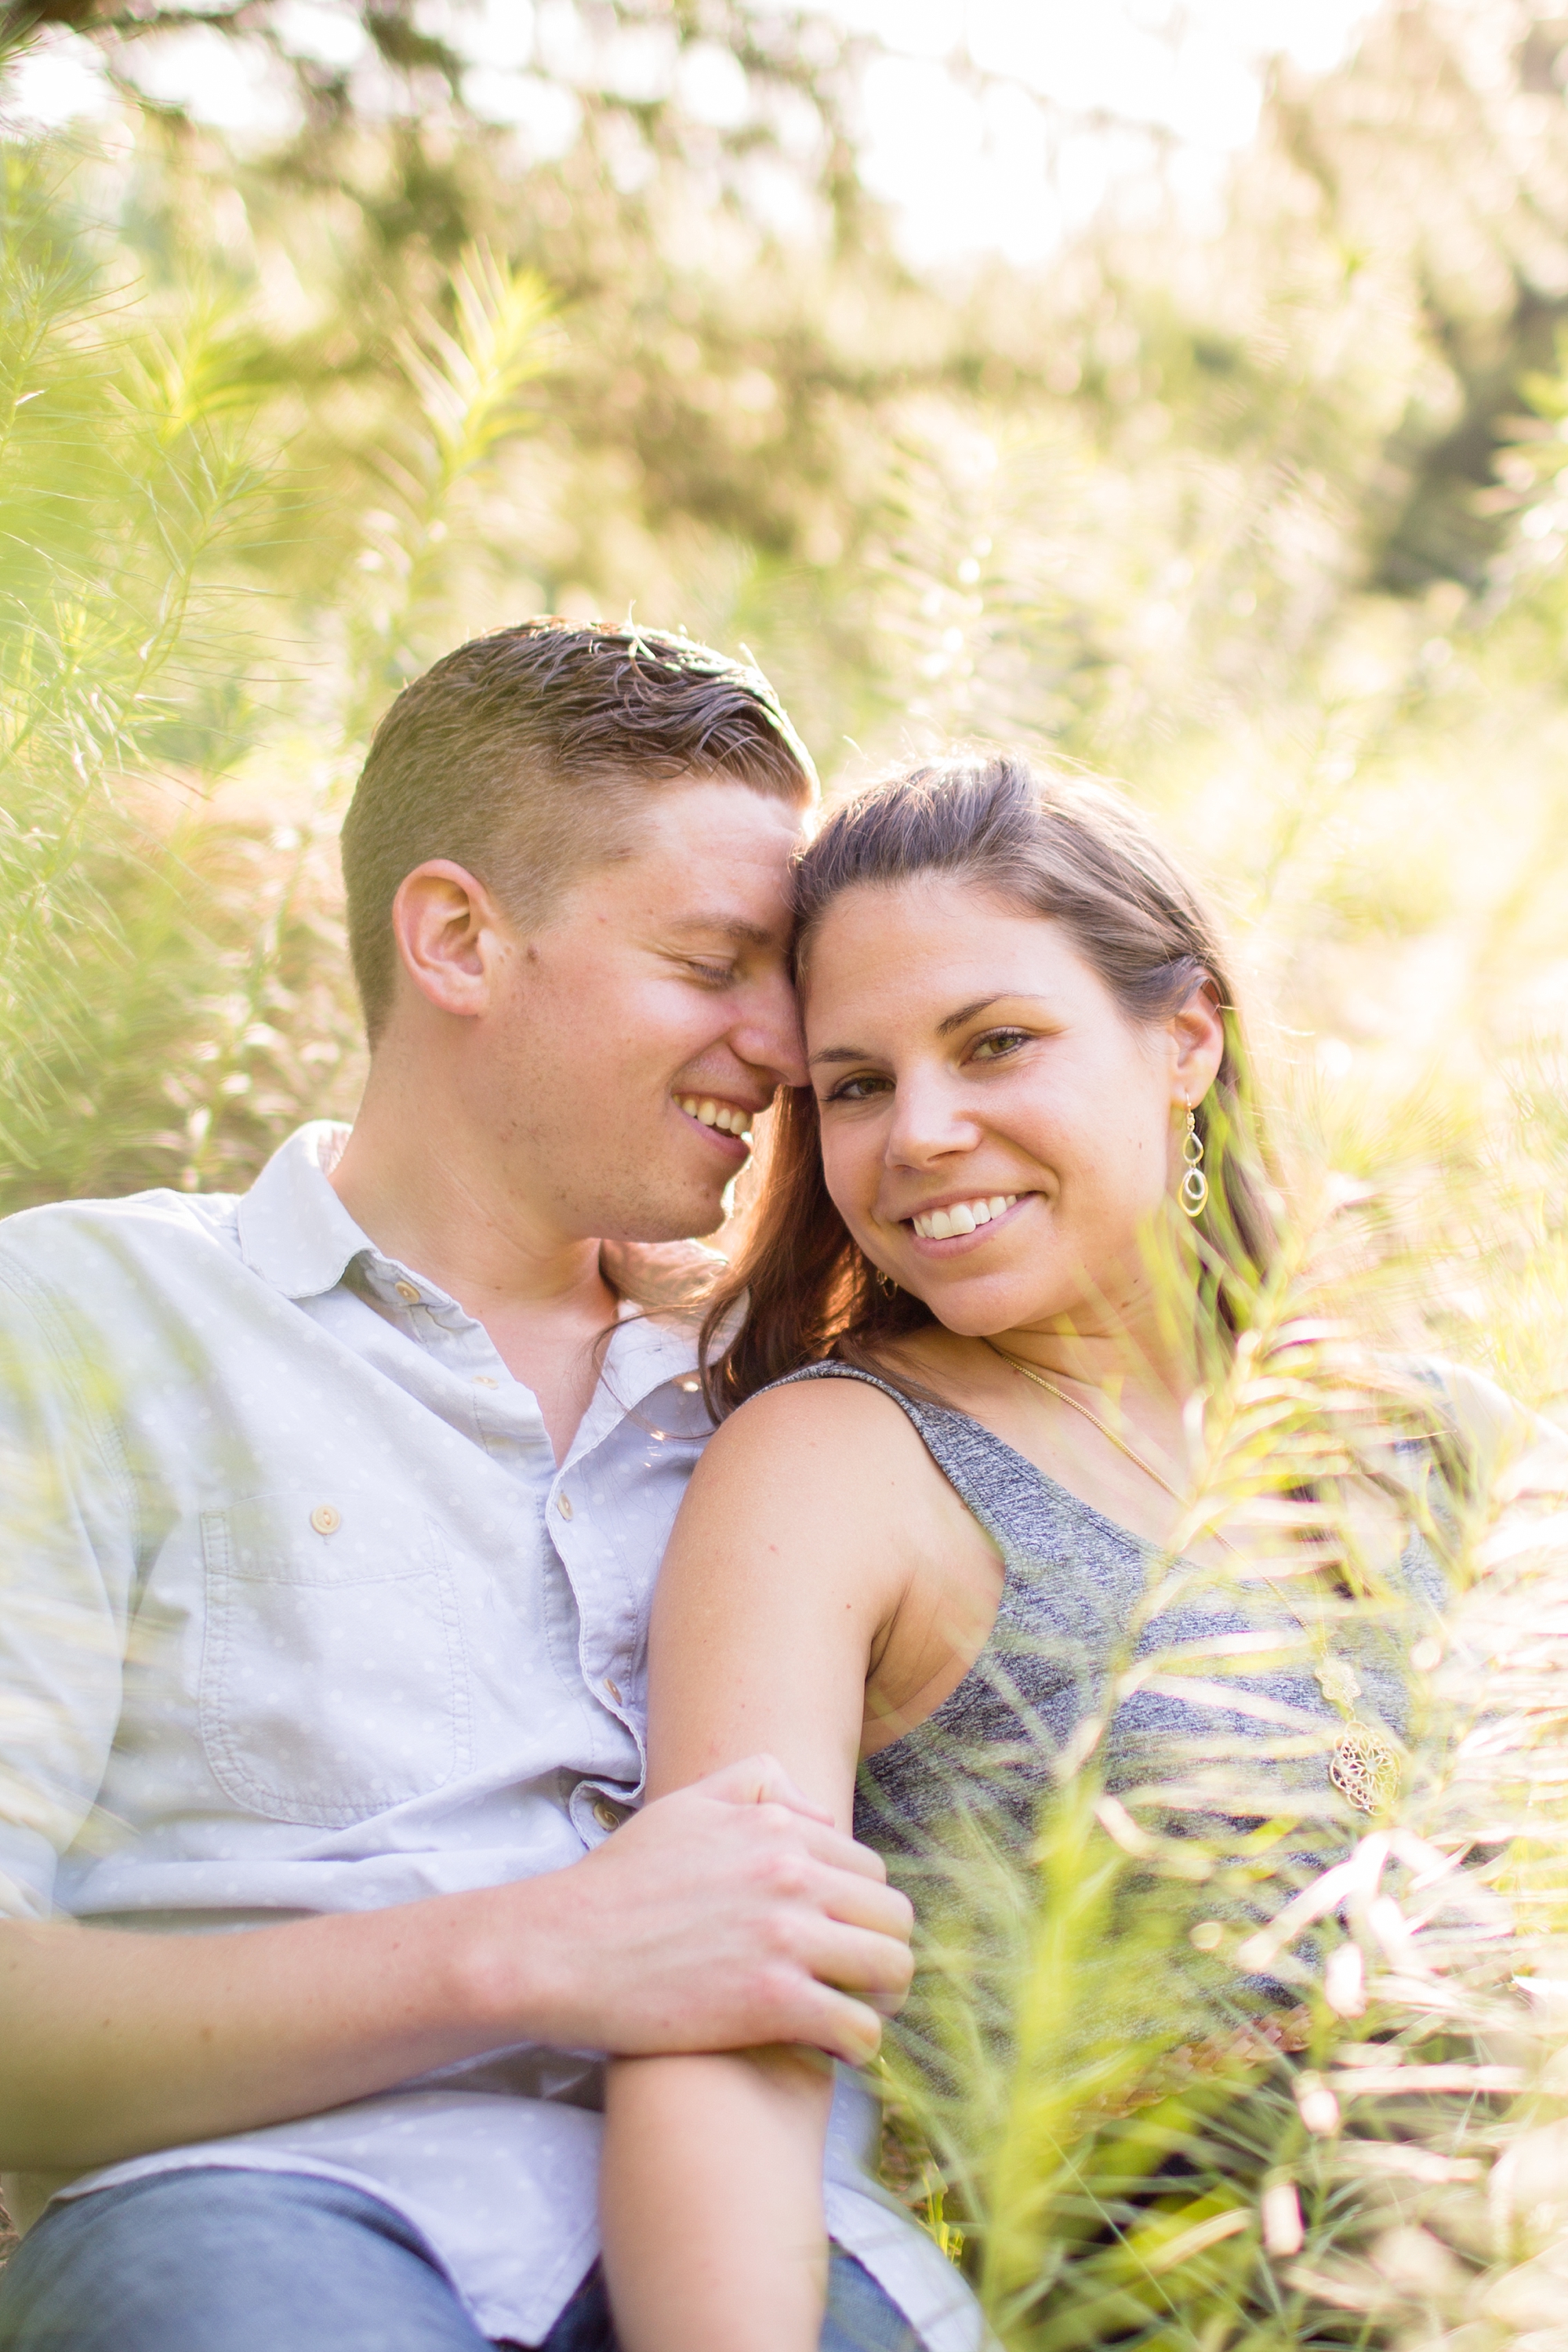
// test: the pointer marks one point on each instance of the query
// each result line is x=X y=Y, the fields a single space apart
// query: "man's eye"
x=997 y=1042
x=713 y=975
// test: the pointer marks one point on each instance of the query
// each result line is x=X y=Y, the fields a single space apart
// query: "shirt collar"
x=642 y=1354
x=643 y=1357
x=294 y=1232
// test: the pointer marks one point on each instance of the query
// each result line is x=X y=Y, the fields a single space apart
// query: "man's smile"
x=727 y=1124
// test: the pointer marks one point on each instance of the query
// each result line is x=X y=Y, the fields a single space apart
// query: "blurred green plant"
x=173 y=993
x=468 y=384
x=123 y=474
x=1216 y=2063
x=1270 y=524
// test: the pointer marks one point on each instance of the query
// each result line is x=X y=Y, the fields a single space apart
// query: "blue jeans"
x=212 y=2261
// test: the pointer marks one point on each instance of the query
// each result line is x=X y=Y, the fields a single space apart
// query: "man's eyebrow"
x=727 y=926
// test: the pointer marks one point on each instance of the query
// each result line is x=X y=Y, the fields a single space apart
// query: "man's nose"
x=769 y=1037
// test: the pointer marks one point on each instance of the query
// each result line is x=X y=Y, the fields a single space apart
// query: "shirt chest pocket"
x=333 y=1683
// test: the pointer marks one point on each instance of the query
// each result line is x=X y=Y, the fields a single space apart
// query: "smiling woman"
x=958 y=1548
x=947 y=874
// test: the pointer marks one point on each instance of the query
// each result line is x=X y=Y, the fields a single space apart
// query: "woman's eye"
x=997 y=1042
x=858 y=1089
x=712 y=975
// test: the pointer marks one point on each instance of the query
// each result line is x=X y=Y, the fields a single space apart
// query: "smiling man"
x=332 y=1515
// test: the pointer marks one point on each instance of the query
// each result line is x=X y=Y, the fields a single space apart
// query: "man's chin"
x=661 y=1224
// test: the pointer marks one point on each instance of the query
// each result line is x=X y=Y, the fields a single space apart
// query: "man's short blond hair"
x=524 y=756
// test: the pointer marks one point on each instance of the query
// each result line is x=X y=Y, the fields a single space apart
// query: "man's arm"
x=735 y=1913
x=726 y=1914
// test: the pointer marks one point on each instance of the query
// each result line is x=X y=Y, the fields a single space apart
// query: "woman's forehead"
x=927 y=921
x=915 y=949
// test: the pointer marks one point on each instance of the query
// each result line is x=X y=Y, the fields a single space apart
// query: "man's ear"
x=1197 y=1034
x=451 y=936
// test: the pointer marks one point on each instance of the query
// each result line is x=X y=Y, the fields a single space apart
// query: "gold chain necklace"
x=1364 y=1766
x=1104 y=1427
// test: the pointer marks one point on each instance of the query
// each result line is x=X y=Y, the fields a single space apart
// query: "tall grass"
x=1220 y=2062
x=219 y=556
x=172 y=996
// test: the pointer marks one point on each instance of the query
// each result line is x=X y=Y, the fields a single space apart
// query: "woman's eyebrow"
x=943 y=1028
x=1003 y=995
x=966 y=1013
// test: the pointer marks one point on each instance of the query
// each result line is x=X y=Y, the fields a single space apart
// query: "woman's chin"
x=985 y=1310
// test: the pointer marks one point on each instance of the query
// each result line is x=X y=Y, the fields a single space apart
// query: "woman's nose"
x=930 y=1120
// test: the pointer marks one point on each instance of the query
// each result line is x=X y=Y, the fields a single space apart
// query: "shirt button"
x=563 y=1505
x=483 y=1380
x=406 y=1290
x=614 y=1692
x=326 y=1519
x=606 y=1815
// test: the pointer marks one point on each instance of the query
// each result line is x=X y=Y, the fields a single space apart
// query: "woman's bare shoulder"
x=836 y=1425
x=826 y=1480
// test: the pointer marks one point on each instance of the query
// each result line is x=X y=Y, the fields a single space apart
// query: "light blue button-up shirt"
x=299 y=1614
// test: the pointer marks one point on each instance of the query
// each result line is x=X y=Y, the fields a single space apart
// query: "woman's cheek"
x=851 y=1178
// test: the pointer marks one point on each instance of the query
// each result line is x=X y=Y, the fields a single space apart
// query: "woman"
x=923 y=1560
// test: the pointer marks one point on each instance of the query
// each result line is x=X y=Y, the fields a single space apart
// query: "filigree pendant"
x=1364 y=1767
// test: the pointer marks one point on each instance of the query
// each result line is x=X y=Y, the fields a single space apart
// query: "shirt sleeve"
x=1507 y=1440
x=66 y=1569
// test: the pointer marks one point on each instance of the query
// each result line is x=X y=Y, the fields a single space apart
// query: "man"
x=334 y=1515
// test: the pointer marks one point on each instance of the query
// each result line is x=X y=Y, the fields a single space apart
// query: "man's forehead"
x=707 y=858
x=717 y=810
x=717 y=838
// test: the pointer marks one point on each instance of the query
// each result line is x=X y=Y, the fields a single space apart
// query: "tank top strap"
x=996 y=1484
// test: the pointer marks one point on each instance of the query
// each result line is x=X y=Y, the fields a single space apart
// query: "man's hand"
x=727 y=1915
x=730 y=1915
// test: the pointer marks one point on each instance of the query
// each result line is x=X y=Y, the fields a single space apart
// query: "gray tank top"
x=1079 y=1607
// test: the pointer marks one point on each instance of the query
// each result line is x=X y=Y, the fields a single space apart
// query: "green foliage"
x=1270 y=524
x=173 y=996
x=1215 y=2062
x=468 y=384
x=122 y=472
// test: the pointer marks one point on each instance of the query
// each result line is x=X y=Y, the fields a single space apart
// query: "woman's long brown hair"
x=1077 y=855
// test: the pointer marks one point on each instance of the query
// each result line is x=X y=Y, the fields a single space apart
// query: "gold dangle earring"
x=1194 y=1192
x=885 y=1283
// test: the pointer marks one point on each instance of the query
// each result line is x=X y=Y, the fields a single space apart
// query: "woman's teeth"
x=712 y=1114
x=941 y=1224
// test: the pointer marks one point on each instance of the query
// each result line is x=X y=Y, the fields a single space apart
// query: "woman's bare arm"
x=789 y=1559
x=715 y=2240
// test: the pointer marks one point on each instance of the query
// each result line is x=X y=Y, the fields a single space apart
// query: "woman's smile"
x=963 y=1218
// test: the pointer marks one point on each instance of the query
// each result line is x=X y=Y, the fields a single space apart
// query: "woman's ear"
x=1197 y=1039
x=451 y=936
